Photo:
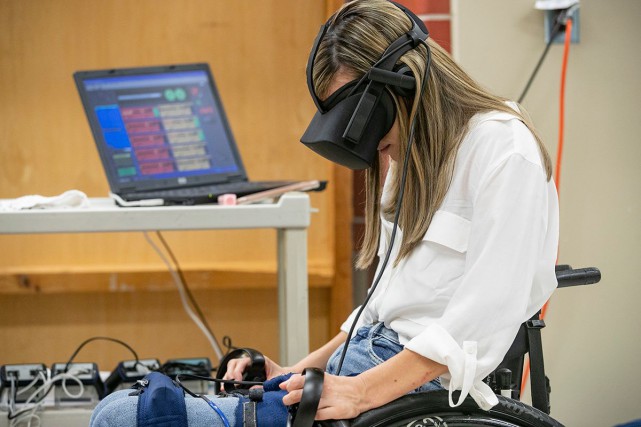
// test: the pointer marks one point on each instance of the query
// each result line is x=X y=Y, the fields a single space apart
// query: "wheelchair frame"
x=432 y=408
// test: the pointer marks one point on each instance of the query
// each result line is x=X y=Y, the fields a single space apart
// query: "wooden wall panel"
x=47 y=328
x=258 y=53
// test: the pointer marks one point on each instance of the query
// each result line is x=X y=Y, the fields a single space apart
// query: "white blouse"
x=486 y=262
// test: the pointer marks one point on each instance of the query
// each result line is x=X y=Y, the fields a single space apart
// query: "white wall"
x=593 y=339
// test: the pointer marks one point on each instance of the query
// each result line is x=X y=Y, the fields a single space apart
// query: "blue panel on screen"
x=117 y=139
x=113 y=127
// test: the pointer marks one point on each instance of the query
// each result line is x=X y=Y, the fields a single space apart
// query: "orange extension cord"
x=559 y=154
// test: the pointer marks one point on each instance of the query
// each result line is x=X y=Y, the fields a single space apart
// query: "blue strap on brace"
x=161 y=403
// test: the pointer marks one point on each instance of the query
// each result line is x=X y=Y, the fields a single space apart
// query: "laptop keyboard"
x=239 y=188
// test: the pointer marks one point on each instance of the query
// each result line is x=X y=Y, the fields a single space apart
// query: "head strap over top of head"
x=349 y=124
x=408 y=41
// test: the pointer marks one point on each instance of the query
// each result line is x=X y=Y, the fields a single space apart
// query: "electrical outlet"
x=549 y=21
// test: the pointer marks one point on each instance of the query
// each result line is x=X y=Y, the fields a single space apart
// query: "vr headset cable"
x=398 y=206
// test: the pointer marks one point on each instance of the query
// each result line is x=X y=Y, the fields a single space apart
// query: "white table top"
x=291 y=210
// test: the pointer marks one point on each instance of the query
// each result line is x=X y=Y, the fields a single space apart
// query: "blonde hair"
x=358 y=35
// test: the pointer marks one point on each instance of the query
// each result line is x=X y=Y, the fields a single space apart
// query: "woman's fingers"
x=294 y=387
x=293 y=397
x=236 y=368
x=295 y=382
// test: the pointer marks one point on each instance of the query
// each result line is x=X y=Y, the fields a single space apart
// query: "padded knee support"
x=122 y=409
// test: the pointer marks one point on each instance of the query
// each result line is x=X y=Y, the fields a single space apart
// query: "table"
x=289 y=215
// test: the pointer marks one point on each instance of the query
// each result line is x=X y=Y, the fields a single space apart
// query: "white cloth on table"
x=71 y=199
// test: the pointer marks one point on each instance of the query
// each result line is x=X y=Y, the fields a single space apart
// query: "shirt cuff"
x=437 y=344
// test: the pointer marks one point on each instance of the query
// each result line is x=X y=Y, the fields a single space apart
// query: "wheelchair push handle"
x=567 y=276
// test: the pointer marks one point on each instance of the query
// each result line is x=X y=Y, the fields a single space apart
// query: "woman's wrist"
x=367 y=399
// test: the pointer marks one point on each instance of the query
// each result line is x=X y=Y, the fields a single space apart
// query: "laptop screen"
x=156 y=126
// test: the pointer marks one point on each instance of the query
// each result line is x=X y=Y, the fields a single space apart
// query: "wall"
x=47 y=147
x=47 y=328
x=592 y=345
x=54 y=289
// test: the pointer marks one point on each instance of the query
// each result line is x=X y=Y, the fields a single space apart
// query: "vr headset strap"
x=365 y=107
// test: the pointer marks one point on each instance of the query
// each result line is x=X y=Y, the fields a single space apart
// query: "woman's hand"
x=236 y=368
x=342 y=397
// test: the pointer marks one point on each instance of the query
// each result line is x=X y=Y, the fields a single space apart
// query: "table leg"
x=293 y=311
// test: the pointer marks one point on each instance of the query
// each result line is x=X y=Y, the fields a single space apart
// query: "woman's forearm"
x=319 y=358
x=396 y=377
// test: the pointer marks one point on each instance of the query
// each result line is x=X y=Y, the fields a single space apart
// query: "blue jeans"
x=369 y=347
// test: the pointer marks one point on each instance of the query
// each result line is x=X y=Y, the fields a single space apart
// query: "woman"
x=477 y=235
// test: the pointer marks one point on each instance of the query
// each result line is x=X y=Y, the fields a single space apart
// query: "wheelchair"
x=431 y=408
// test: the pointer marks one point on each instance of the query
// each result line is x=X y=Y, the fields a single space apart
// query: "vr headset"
x=349 y=125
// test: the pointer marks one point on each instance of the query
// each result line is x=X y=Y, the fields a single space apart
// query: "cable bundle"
x=28 y=413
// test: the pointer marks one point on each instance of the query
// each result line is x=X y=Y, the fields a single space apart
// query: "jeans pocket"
x=383 y=348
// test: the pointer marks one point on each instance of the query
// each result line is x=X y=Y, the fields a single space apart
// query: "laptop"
x=163 y=136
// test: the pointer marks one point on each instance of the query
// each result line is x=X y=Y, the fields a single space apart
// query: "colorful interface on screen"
x=160 y=126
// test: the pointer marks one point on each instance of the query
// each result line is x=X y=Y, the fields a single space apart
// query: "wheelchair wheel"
x=431 y=409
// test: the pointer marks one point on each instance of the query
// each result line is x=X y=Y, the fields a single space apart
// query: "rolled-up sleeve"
x=479 y=323
x=347 y=324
